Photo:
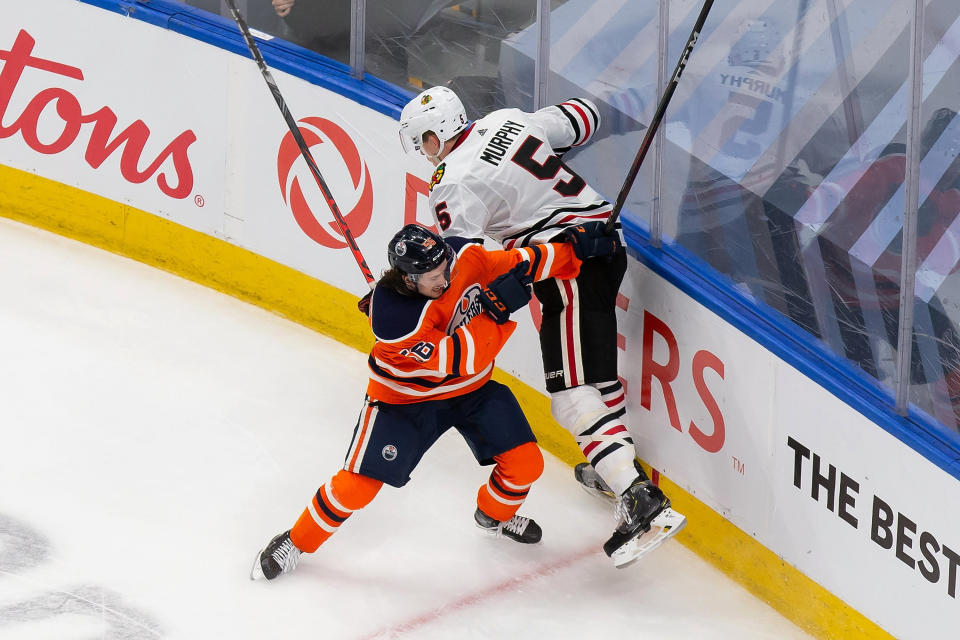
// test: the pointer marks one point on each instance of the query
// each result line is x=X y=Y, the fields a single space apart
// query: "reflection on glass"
x=797 y=164
x=936 y=375
x=784 y=159
x=766 y=121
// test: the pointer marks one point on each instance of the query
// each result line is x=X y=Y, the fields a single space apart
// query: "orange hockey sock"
x=334 y=502
x=510 y=481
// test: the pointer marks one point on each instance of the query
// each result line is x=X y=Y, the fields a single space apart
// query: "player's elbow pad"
x=583 y=115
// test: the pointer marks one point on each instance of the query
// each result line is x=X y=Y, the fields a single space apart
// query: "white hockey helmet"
x=437 y=109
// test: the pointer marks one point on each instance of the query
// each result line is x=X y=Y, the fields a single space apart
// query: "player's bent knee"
x=521 y=465
x=577 y=408
x=354 y=491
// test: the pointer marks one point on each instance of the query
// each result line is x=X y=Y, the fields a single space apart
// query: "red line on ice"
x=478 y=597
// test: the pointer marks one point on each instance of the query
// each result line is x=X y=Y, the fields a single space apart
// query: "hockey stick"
x=304 y=150
x=658 y=116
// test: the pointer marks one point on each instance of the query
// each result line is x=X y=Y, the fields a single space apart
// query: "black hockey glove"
x=364 y=304
x=507 y=293
x=591 y=240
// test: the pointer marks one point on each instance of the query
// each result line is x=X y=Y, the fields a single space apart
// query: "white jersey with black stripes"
x=504 y=179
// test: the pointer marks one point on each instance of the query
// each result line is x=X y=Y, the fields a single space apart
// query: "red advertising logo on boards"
x=102 y=142
x=667 y=373
x=317 y=131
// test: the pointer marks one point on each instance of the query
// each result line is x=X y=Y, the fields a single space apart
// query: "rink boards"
x=183 y=161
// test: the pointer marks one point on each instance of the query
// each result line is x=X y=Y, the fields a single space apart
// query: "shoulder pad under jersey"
x=457 y=243
x=394 y=316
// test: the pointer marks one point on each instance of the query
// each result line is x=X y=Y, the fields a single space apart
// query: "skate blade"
x=664 y=526
x=598 y=493
x=256 y=573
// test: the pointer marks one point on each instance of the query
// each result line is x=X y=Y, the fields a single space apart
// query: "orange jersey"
x=429 y=349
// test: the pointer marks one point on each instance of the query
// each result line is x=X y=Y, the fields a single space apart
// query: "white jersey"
x=504 y=178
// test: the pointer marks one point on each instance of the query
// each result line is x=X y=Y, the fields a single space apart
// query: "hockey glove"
x=364 y=304
x=591 y=240
x=507 y=293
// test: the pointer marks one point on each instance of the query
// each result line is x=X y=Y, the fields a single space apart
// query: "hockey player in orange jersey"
x=440 y=315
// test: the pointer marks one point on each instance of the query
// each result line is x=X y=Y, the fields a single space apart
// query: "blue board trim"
x=802 y=351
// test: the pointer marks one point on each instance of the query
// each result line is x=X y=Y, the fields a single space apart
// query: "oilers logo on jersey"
x=465 y=310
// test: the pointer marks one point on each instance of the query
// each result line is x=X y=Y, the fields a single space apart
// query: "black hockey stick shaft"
x=658 y=116
x=304 y=150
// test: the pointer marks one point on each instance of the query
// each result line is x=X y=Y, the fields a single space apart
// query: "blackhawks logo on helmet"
x=437 y=176
x=425 y=99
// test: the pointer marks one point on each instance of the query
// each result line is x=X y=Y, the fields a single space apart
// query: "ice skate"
x=664 y=526
x=517 y=528
x=639 y=508
x=279 y=556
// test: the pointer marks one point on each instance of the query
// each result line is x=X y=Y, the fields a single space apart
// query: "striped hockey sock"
x=333 y=503
x=608 y=447
x=613 y=396
x=510 y=481
x=599 y=430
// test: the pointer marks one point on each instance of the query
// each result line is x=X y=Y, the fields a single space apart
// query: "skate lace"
x=622 y=512
x=624 y=507
x=629 y=506
x=287 y=555
x=516 y=524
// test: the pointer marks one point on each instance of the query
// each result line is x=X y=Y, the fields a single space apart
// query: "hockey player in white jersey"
x=503 y=177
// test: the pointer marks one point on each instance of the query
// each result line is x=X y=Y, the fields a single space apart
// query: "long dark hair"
x=394 y=279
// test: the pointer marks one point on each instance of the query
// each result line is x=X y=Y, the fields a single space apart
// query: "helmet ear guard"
x=412 y=130
x=437 y=109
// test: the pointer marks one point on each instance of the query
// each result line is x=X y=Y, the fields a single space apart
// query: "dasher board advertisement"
x=830 y=492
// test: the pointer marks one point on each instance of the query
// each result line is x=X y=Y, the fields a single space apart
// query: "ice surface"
x=156 y=434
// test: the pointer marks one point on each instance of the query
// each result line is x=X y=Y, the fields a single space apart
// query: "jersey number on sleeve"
x=421 y=351
x=549 y=169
